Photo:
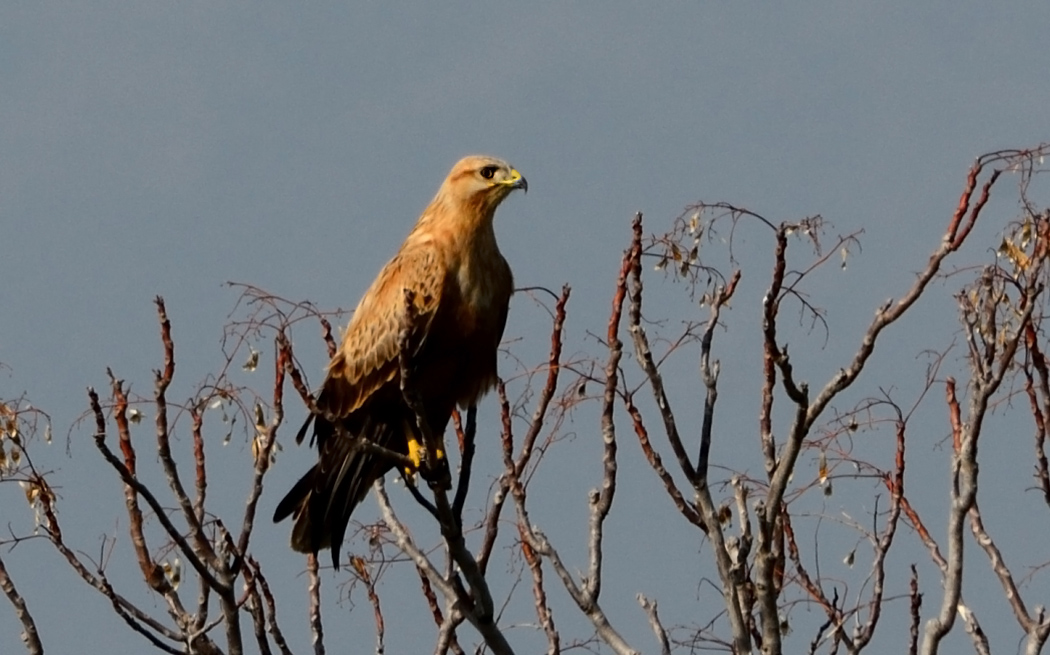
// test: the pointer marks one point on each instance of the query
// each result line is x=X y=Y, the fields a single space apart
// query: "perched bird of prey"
x=460 y=286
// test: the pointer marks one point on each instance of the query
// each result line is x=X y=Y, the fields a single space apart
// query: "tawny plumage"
x=461 y=288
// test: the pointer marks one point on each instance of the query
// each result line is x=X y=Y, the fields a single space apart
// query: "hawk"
x=459 y=284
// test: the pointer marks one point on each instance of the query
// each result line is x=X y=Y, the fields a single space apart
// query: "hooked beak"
x=516 y=181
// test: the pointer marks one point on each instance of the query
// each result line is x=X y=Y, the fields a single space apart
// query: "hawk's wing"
x=367 y=361
x=368 y=357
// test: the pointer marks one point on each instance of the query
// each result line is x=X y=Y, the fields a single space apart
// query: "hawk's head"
x=482 y=181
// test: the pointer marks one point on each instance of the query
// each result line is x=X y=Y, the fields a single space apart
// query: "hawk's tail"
x=323 y=499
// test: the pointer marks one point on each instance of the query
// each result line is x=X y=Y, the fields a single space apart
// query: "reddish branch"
x=361 y=569
x=447 y=638
x=162 y=381
x=953 y=414
x=300 y=386
x=216 y=574
x=550 y=386
x=136 y=619
x=515 y=469
x=971 y=180
x=151 y=571
x=586 y=592
x=989 y=366
x=648 y=364
x=197 y=417
x=329 y=340
x=686 y=509
x=543 y=610
x=492 y=517
x=890 y=311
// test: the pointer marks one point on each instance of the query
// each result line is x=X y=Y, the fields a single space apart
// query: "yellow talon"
x=415 y=452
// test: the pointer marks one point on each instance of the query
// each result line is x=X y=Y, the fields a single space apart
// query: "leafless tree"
x=760 y=522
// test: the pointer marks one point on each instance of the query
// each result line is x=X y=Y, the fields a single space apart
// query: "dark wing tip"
x=295 y=497
x=301 y=434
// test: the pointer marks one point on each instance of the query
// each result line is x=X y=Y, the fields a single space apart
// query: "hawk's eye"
x=488 y=172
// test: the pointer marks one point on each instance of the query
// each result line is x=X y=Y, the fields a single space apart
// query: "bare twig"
x=685 y=508
x=136 y=619
x=543 y=610
x=516 y=468
x=914 y=608
x=989 y=367
x=313 y=590
x=1037 y=629
x=446 y=629
x=361 y=569
x=162 y=381
x=732 y=571
x=30 y=636
x=264 y=440
x=481 y=620
x=255 y=608
x=151 y=569
x=467 y=449
x=973 y=628
x=654 y=622
x=587 y=592
x=271 y=607
x=889 y=313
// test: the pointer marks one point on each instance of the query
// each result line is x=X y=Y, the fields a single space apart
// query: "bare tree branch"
x=654 y=622
x=586 y=594
x=313 y=589
x=731 y=571
x=543 y=610
x=30 y=636
x=482 y=621
x=271 y=607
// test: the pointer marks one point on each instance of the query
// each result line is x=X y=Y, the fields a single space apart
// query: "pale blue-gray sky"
x=165 y=148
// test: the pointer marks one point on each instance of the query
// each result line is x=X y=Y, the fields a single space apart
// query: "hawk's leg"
x=434 y=470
